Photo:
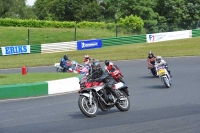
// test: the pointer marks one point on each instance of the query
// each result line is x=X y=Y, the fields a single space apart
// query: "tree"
x=115 y=9
x=181 y=14
x=15 y=9
x=68 y=10
x=133 y=23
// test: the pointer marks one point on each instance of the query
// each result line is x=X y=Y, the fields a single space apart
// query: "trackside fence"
x=97 y=43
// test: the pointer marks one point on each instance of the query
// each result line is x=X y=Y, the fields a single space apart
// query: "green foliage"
x=133 y=23
x=157 y=15
x=36 y=23
x=53 y=24
x=86 y=24
x=16 y=9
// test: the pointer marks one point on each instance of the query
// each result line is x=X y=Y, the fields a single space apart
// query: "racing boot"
x=115 y=94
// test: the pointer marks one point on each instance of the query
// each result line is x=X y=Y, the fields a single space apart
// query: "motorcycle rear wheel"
x=86 y=109
x=125 y=104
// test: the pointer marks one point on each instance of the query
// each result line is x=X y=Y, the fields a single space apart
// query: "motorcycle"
x=116 y=74
x=73 y=67
x=153 y=69
x=94 y=95
x=164 y=75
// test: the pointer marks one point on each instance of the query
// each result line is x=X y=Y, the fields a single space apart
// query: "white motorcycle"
x=164 y=75
x=72 y=65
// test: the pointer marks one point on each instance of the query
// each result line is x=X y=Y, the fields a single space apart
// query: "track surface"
x=154 y=108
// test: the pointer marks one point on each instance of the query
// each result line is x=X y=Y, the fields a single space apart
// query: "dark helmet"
x=65 y=57
x=107 y=62
x=96 y=65
x=96 y=68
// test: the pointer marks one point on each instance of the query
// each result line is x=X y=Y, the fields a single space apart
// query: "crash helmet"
x=158 y=59
x=65 y=57
x=107 y=62
x=96 y=67
x=151 y=53
x=87 y=56
x=96 y=64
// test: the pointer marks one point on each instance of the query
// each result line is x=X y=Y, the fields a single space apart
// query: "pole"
x=75 y=34
x=28 y=36
x=116 y=30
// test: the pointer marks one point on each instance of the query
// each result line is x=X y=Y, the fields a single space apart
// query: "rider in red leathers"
x=151 y=59
x=87 y=60
x=109 y=65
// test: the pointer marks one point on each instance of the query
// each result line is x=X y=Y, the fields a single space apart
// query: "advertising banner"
x=158 y=37
x=89 y=44
x=11 y=50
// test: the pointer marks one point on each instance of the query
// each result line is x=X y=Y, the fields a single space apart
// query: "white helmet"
x=158 y=59
x=87 y=56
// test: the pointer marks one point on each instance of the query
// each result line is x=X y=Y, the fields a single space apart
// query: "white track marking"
x=20 y=99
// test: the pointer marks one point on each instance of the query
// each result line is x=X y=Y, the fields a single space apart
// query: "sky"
x=30 y=2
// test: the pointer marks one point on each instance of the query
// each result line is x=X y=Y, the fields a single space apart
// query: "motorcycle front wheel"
x=166 y=82
x=124 y=105
x=85 y=107
x=121 y=80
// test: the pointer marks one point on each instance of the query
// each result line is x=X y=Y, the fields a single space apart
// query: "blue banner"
x=10 y=50
x=89 y=44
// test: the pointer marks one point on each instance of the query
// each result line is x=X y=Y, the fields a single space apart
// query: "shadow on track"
x=157 y=87
x=79 y=115
x=149 y=77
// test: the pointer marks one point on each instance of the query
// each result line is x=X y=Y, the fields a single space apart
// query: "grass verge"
x=184 y=47
x=11 y=36
x=6 y=79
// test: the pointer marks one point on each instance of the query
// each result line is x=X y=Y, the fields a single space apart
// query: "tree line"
x=153 y=12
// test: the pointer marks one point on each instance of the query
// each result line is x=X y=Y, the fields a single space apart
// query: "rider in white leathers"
x=160 y=61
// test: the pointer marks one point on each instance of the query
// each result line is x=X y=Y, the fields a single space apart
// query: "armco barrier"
x=58 y=47
x=63 y=85
x=0 y=51
x=124 y=40
x=36 y=48
x=39 y=89
x=23 y=90
x=196 y=33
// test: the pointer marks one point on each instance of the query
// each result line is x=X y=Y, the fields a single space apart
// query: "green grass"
x=12 y=36
x=184 y=47
x=32 y=77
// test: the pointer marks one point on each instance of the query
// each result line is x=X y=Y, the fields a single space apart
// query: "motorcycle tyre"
x=165 y=82
x=57 y=70
x=83 y=111
x=121 y=80
x=153 y=72
x=119 y=107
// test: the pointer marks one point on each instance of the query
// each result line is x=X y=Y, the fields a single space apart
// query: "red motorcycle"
x=84 y=83
x=94 y=95
x=116 y=74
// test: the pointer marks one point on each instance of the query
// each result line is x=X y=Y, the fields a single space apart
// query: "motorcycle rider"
x=160 y=61
x=109 y=65
x=63 y=63
x=151 y=60
x=98 y=74
x=87 y=60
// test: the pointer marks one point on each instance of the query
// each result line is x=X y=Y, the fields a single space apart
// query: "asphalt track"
x=154 y=108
